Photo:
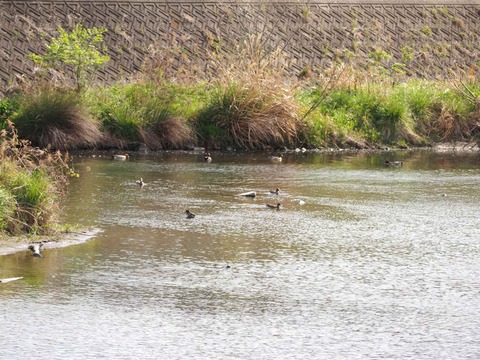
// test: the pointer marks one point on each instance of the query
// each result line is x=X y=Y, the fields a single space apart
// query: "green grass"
x=156 y=114
x=7 y=109
x=247 y=112
x=7 y=208
x=413 y=112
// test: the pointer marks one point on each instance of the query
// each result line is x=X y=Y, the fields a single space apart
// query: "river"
x=362 y=261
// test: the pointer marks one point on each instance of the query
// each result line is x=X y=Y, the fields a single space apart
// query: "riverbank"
x=246 y=113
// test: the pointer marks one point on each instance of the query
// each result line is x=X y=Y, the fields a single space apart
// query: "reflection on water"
x=362 y=261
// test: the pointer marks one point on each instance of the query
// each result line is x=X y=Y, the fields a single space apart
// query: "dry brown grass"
x=446 y=125
x=172 y=133
x=252 y=107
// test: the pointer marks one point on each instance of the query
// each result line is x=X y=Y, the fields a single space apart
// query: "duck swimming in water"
x=275 y=192
x=36 y=247
x=207 y=157
x=270 y=206
x=140 y=182
x=189 y=214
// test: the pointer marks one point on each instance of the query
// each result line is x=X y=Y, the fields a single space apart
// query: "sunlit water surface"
x=361 y=262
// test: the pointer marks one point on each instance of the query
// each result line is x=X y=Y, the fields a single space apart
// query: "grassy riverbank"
x=246 y=113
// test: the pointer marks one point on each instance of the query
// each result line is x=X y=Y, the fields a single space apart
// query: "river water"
x=360 y=262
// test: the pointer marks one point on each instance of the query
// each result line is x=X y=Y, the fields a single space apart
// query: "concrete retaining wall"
x=430 y=39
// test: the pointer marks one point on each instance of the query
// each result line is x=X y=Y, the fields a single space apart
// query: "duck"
x=275 y=192
x=270 y=206
x=207 y=157
x=276 y=158
x=140 y=182
x=36 y=248
x=120 y=157
x=189 y=214
x=393 y=163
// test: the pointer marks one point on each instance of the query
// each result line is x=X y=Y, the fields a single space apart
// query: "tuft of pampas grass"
x=52 y=117
x=250 y=106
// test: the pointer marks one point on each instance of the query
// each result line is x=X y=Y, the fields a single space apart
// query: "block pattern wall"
x=424 y=40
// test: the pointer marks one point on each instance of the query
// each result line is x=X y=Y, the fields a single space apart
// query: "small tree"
x=77 y=49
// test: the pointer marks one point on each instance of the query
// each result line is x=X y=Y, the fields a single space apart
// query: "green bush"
x=7 y=109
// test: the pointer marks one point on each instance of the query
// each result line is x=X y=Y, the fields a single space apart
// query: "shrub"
x=76 y=50
x=7 y=108
x=31 y=180
x=55 y=118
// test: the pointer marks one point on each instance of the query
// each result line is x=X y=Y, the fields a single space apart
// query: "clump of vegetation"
x=250 y=107
x=54 y=117
x=154 y=114
x=413 y=112
x=31 y=182
x=7 y=109
x=249 y=115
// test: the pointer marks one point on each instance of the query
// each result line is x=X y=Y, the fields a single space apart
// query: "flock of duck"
x=37 y=246
x=207 y=157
